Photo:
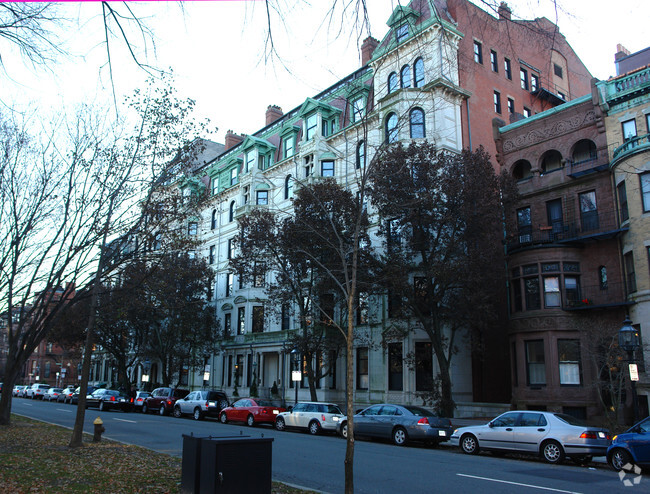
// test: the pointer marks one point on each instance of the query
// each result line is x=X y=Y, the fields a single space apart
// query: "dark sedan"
x=400 y=423
x=631 y=448
x=107 y=399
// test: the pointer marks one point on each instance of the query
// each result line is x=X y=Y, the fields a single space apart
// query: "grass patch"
x=35 y=458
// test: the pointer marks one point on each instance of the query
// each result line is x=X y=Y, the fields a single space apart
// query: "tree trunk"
x=349 y=449
x=311 y=376
x=5 y=399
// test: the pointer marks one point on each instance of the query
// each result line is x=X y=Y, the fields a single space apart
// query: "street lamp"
x=296 y=376
x=628 y=340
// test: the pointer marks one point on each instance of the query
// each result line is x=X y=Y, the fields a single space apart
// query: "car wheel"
x=145 y=409
x=344 y=430
x=162 y=410
x=399 y=436
x=619 y=459
x=197 y=414
x=552 y=452
x=314 y=427
x=223 y=404
x=469 y=444
x=177 y=412
x=279 y=424
x=101 y=406
x=223 y=418
x=250 y=421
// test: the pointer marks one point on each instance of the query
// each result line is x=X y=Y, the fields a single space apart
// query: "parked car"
x=550 y=435
x=252 y=411
x=36 y=391
x=310 y=415
x=74 y=398
x=138 y=401
x=66 y=394
x=631 y=448
x=201 y=403
x=162 y=400
x=107 y=399
x=18 y=390
x=399 y=423
x=52 y=394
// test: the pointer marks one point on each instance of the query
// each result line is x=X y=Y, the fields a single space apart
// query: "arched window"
x=551 y=160
x=213 y=222
x=521 y=170
x=392 y=82
x=391 y=128
x=418 y=73
x=288 y=186
x=231 y=212
x=584 y=150
x=416 y=120
x=405 y=76
x=361 y=154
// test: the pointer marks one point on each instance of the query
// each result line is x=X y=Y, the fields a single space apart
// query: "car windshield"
x=570 y=420
x=420 y=412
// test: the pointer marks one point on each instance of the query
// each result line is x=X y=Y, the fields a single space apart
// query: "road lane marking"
x=125 y=420
x=64 y=410
x=517 y=483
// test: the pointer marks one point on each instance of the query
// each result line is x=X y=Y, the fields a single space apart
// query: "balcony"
x=248 y=208
x=597 y=297
x=583 y=167
x=625 y=87
x=635 y=145
x=576 y=228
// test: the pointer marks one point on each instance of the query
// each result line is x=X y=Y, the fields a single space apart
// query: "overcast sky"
x=216 y=49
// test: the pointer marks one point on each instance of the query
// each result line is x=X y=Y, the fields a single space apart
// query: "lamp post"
x=628 y=340
x=295 y=373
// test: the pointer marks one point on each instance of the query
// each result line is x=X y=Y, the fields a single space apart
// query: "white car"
x=37 y=391
x=310 y=415
x=549 y=435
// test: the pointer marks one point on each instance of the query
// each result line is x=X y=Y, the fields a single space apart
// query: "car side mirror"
x=490 y=425
x=290 y=409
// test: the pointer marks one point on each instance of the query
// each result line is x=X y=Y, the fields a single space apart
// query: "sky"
x=216 y=50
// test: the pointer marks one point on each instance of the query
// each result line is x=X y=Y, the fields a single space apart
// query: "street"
x=316 y=462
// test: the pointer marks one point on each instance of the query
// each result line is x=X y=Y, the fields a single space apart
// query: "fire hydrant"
x=99 y=428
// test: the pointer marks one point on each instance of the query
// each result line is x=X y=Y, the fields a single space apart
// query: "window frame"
x=413 y=125
x=494 y=61
x=497 y=102
x=530 y=364
x=621 y=193
x=523 y=78
x=361 y=155
x=262 y=197
x=288 y=187
x=630 y=272
x=478 y=52
x=241 y=320
x=327 y=168
x=418 y=73
x=405 y=76
x=257 y=324
x=311 y=126
x=395 y=362
x=289 y=146
x=362 y=375
x=211 y=255
x=357 y=109
x=392 y=133
x=576 y=365
x=213 y=220
x=193 y=228
x=507 y=68
x=511 y=106
x=534 y=82
x=644 y=187
x=392 y=82
x=230 y=284
x=629 y=125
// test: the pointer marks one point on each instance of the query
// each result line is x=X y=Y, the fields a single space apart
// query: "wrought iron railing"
x=635 y=144
x=596 y=296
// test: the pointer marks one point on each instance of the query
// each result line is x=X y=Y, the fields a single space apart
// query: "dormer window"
x=329 y=127
x=250 y=161
x=311 y=123
x=402 y=32
x=358 y=109
x=289 y=146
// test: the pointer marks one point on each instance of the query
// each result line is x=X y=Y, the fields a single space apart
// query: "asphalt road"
x=317 y=461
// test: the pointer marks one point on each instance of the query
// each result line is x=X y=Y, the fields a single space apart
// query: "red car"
x=252 y=411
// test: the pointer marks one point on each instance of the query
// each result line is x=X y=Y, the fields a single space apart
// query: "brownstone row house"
x=578 y=262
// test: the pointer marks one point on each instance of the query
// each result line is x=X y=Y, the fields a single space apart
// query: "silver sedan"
x=553 y=436
x=400 y=423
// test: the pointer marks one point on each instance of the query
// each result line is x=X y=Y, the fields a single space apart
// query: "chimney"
x=273 y=112
x=232 y=139
x=505 y=12
x=621 y=52
x=367 y=49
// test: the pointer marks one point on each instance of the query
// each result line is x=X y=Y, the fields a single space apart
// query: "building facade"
x=425 y=80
